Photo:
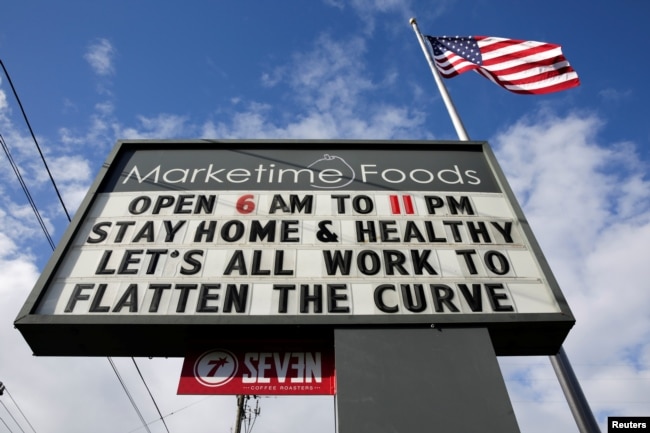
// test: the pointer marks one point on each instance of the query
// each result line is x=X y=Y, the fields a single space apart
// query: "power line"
x=3 y=390
x=174 y=412
x=246 y=416
x=5 y=424
x=150 y=394
x=49 y=238
x=29 y=126
x=19 y=410
x=26 y=191
x=126 y=390
x=12 y=417
x=251 y=414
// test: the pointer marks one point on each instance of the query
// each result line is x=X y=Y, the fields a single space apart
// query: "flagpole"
x=578 y=404
x=576 y=399
x=451 y=109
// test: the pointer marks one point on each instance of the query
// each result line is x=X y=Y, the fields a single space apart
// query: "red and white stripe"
x=527 y=67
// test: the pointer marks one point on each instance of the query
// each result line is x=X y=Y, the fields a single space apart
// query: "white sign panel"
x=299 y=253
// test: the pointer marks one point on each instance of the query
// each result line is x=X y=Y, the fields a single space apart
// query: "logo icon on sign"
x=335 y=172
x=215 y=368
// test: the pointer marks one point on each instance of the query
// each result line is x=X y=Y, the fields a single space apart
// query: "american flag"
x=526 y=67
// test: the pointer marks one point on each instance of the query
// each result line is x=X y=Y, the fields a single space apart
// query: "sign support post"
x=412 y=380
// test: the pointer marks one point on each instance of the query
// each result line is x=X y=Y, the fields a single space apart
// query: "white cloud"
x=379 y=6
x=73 y=175
x=368 y=9
x=588 y=206
x=100 y=55
x=615 y=95
x=158 y=126
x=3 y=100
x=399 y=10
x=99 y=134
x=335 y=3
x=330 y=88
x=332 y=74
x=18 y=219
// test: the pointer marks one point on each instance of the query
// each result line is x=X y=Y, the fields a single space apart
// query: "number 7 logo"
x=215 y=368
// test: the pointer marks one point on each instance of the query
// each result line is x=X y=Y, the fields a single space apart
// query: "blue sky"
x=90 y=73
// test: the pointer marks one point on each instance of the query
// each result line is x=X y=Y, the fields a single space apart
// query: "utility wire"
x=26 y=191
x=126 y=390
x=174 y=412
x=47 y=234
x=12 y=417
x=5 y=424
x=252 y=414
x=150 y=394
x=19 y=410
x=29 y=126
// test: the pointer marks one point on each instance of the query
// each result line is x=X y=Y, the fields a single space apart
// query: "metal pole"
x=573 y=393
x=455 y=119
x=240 y=412
x=568 y=381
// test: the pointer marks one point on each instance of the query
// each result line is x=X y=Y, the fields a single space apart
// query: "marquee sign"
x=179 y=241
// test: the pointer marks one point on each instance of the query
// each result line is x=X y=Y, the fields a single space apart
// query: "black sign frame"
x=173 y=335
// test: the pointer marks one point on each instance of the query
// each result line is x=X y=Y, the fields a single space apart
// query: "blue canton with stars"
x=466 y=47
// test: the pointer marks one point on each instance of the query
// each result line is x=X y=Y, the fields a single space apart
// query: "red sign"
x=233 y=371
